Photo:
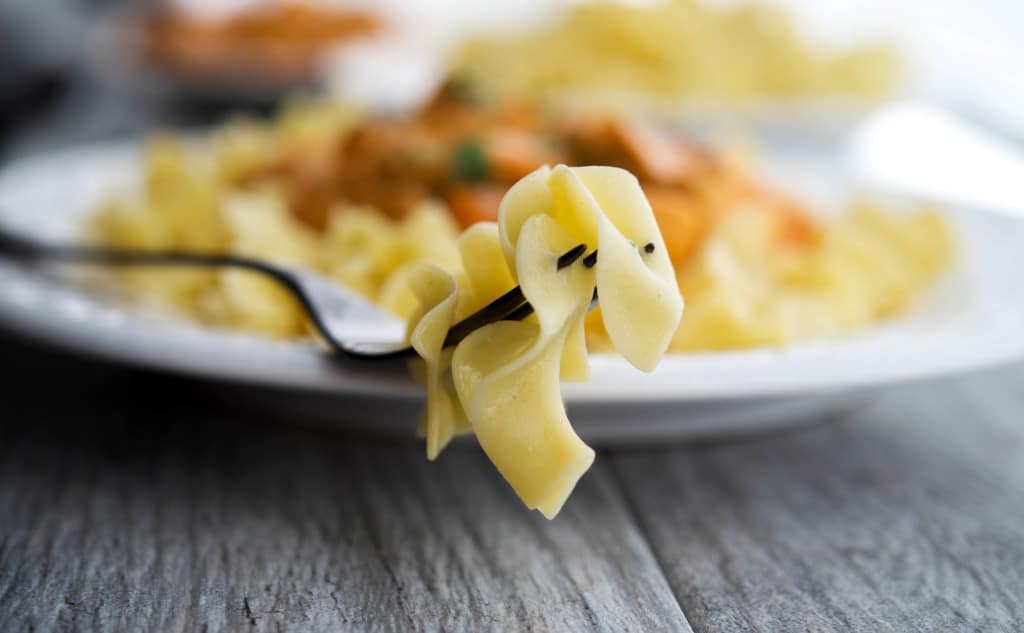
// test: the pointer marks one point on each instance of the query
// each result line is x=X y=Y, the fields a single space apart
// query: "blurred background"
x=77 y=70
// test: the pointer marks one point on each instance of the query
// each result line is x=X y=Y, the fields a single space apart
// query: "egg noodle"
x=504 y=378
x=755 y=270
x=675 y=48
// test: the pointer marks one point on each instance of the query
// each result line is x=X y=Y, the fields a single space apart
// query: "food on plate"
x=364 y=198
x=502 y=381
x=752 y=286
x=675 y=48
x=278 y=42
x=434 y=214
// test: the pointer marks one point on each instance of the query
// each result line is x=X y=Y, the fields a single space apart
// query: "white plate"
x=975 y=318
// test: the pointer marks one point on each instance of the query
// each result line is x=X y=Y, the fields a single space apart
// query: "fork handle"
x=24 y=248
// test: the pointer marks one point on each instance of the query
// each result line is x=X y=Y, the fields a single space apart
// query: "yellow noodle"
x=506 y=375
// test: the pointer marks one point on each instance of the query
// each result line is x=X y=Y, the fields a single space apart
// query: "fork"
x=337 y=313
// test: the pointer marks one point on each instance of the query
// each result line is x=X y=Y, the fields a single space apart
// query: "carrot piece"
x=472 y=203
x=514 y=153
x=683 y=218
x=652 y=156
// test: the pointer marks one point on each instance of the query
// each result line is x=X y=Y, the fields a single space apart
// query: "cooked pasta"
x=505 y=377
x=363 y=200
x=749 y=292
x=674 y=48
x=755 y=267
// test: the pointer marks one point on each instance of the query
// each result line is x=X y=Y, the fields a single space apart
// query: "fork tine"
x=567 y=258
x=525 y=309
x=496 y=310
x=511 y=306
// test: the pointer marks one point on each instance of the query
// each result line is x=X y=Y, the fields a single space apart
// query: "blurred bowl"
x=244 y=59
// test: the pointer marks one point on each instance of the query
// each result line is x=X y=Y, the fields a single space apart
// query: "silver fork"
x=350 y=325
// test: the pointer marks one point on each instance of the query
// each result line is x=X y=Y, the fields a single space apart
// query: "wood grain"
x=134 y=502
x=906 y=516
x=130 y=501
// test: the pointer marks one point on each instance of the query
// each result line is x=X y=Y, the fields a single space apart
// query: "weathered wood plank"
x=907 y=516
x=137 y=503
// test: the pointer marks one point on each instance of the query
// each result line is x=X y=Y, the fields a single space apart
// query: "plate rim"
x=608 y=370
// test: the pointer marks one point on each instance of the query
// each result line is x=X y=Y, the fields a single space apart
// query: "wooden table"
x=136 y=501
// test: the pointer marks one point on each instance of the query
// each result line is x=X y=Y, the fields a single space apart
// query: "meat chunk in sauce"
x=468 y=154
